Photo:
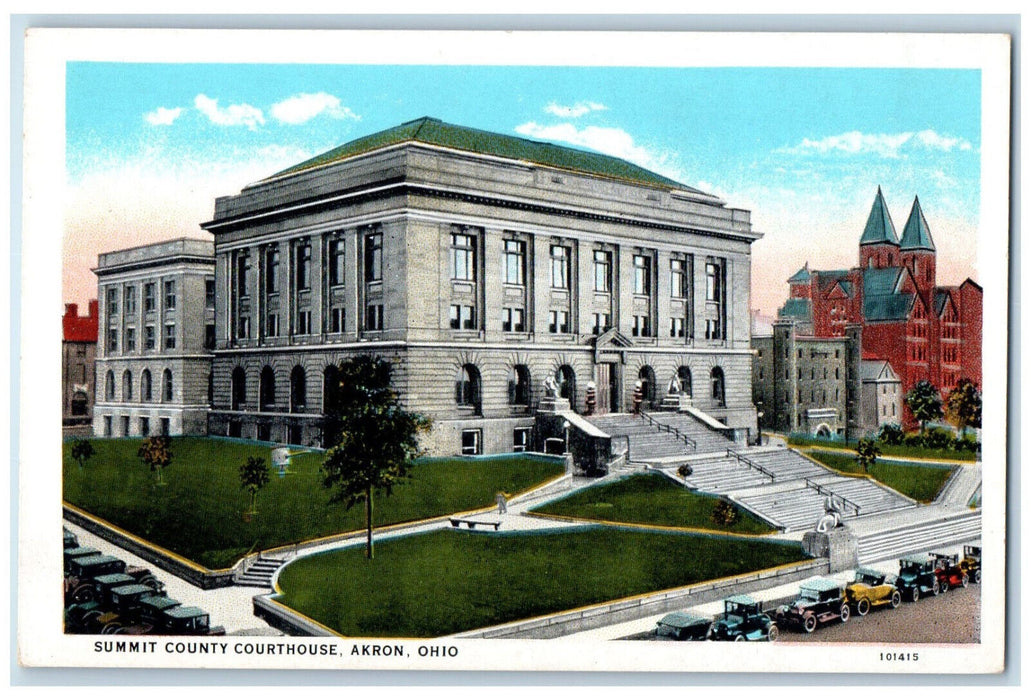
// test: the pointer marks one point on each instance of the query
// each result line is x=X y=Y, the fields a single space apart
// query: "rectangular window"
x=272 y=270
x=520 y=439
x=558 y=321
x=169 y=336
x=677 y=279
x=642 y=326
x=560 y=262
x=303 y=322
x=514 y=271
x=336 y=320
x=272 y=325
x=170 y=294
x=209 y=294
x=676 y=328
x=112 y=302
x=471 y=442
x=243 y=273
x=125 y=425
x=130 y=300
x=642 y=275
x=712 y=329
x=149 y=297
x=336 y=262
x=714 y=280
x=130 y=340
x=112 y=340
x=166 y=426
x=374 y=317
x=244 y=327
x=209 y=336
x=512 y=321
x=602 y=271
x=374 y=257
x=463 y=317
x=463 y=257
x=149 y=338
x=144 y=426
x=303 y=261
x=601 y=323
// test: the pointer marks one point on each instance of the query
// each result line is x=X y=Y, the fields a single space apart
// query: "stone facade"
x=479 y=265
x=156 y=329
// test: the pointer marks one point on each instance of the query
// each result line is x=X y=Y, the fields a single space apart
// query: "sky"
x=150 y=146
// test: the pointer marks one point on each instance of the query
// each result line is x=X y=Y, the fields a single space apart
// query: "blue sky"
x=150 y=146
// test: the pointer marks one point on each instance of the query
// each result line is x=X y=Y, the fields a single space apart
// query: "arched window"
x=109 y=386
x=267 y=389
x=647 y=378
x=519 y=386
x=467 y=387
x=719 y=396
x=684 y=375
x=146 y=386
x=298 y=390
x=565 y=377
x=126 y=385
x=239 y=389
x=330 y=387
x=166 y=385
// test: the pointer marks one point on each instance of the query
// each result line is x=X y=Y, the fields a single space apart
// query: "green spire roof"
x=438 y=133
x=879 y=228
x=917 y=233
x=801 y=276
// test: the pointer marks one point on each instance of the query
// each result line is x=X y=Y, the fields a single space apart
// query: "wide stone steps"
x=723 y=475
x=919 y=537
x=647 y=442
x=260 y=573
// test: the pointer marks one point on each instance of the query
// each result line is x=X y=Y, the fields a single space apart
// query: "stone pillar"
x=840 y=546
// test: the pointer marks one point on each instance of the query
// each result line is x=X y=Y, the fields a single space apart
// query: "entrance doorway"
x=605 y=377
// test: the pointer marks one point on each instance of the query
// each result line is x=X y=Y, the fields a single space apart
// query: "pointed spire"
x=879 y=228
x=917 y=233
x=801 y=276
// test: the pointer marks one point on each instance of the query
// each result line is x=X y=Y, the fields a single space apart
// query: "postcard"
x=506 y=351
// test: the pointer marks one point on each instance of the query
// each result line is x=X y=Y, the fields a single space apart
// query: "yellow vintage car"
x=872 y=589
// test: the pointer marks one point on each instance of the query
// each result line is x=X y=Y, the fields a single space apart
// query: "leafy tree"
x=82 y=450
x=891 y=434
x=156 y=453
x=924 y=402
x=867 y=454
x=724 y=514
x=963 y=405
x=376 y=439
x=254 y=475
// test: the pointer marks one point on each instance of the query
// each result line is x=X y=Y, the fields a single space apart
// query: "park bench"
x=471 y=523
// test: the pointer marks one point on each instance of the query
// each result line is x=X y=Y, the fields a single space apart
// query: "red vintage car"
x=950 y=574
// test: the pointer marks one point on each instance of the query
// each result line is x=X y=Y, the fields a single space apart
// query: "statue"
x=550 y=387
x=832 y=515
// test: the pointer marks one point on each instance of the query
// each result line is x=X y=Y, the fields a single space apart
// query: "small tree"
x=891 y=434
x=867 y=454
x=254 y=475
x=156 y=453
x=724 y=514
x=82 y=450
x=924 y=402
x=963 y=406
x=377 y=439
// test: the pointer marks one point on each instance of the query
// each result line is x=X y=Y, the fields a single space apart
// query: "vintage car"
x=683 y=626
x=98 y=589
x=971 y=562
x=188 y=620
x=819 y=601
x=950 y=573
x=81 y=573
x=71 y=553
x=917 y=576
x=151 y=610
x=126 y=607
x=742 y=620
x=70 y=540
x=872 y=589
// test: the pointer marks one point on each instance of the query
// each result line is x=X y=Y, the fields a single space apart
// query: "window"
x=520 y=439
x=209 y=294
x=146 y=390
x=471 y=442
x=514 y=270
x=267 y=389
x=130 y=340
x=676 y=328
x=566 y=380
x=166 y=385
x=238 y=389
x=519 y=386
x=467 y=387
x=713 y=330
x=303 y=261
x=336 y=319
x=303 y=322
x=107 y=426
x=169 y=336
x=112 y=302
x=149 y=338
x=642 y=326
x=211 y=389
x=374 y=257
x=646 y=378
x=166 y=427
x=374 y=317
x=126 y=385
x=112 y=340
x=79 y=403
x=272 y=325
x=336 y=262
x=512 y=321
x=170 y=294
x=560 y=262
x=209 y=336
x=243 y=326
x=264 y=431
x=463 y=317
x=718 y=388
x=642 y=275
x=130 y=300
x=144 y=427
x=678 y=278
x=272 y=270
x=602 y=322
x=125 y=425
x=558 y=322
x=298 y=389
x=243 y=273
x=149 y=297
x=714 y=280
x=463 y=257
x=602 y=271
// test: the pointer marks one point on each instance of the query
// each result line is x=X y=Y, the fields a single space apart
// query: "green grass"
x=449 y=581
x=888 y=450
x=198 y=514
x=650 y=499
x=922 y=482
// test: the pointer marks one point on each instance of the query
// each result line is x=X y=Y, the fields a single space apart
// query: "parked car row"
x=104 y=595
x=820 y=601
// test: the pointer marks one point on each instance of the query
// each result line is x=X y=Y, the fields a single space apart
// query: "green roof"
x=879 y=228
x=435 y=132
x=917 y=233
x=880 y=300
x=798 y=309
x=801 y=276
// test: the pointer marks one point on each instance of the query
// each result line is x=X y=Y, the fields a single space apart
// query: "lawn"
x=918 y=481
x=888 y=450
x=448 y=581
x=650 y=499
x=198 y=513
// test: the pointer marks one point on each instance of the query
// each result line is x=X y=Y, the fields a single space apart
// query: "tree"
x=963 y=405
x=867 y=454
x=156 y=453
x=254 y=475
x=82 y=450
x=724 y=514
x=924 y=402
x=376 y=439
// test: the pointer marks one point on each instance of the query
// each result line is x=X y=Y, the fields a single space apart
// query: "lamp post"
x=568 y=455
x=759 y=420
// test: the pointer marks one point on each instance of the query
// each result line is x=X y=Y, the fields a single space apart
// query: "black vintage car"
x=971 y=562
x=918 y=576
x=683 y=626
x=819 y=601
x=742 y=620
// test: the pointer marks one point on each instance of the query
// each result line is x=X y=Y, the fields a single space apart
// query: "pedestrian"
x=502 y=503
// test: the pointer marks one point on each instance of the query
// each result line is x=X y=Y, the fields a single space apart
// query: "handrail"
x=821 y=490
x=750 y=463
x=670 y=429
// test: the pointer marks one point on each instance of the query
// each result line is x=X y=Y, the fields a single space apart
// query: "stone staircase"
x=936 y=529
x=647 y=442
x=259 y=574
x=706 y=439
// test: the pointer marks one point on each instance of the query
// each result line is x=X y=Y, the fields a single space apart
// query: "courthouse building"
x=479 y=264
x=156 y=330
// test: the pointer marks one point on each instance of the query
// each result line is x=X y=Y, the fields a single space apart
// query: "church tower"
x=917 y=248
x=879 y=246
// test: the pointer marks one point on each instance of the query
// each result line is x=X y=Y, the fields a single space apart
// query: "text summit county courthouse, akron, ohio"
x=479 y=265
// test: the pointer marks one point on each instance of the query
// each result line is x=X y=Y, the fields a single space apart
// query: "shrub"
x=938 y=439
x=724 y=514
x=967 y=443
x=913 y=440
x=891 y=434
x=685 y=470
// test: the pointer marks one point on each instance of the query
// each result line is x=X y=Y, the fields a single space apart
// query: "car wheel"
x=915 y=594
x=740 y=638
x=862 y=607
x=111 y=628
x=711 y=634
x=809 y=623
x=83 y=594
x=935 y=588
x=845 y=612
x=944 y=587
x=965 y=581
x=896 y=599
x=977 y=576
x=772 y=633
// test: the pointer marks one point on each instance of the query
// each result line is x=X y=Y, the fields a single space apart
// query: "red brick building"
x=78 y=357
x=924 y=331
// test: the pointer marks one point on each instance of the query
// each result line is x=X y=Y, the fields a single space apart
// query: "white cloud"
x=163 y=116
x=574 y=111
x=609 y=140
x=233 y=115
x=883 y=145
x=306 y=106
